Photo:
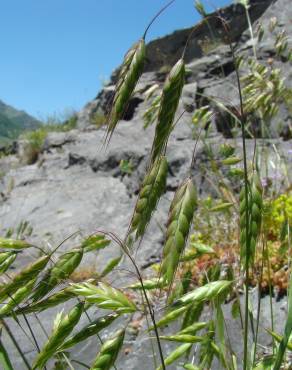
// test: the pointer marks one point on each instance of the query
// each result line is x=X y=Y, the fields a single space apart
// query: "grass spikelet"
x=177 y=353
x=149 y=284
x=279 y=338
x=13 y=244
x=152 y=189
x=4 y=256
x=95 y=242
x=254 y=209
x=60 y=333
x=6 y=260
x=63 y=268
x=168 y=105
x=19 y=296
x=52 y=301
x=182 y=338
x=204 y=293
x=130 y=73
x=180 y=218
x=25 y=275
x=109 y=352
x=104 y=296
x=110 y=266
x=89 y=330
x=192 y=329
x=171 y=316
x=192 y=315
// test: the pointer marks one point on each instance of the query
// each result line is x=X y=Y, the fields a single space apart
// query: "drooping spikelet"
x=6 y=260
x=179 y=222
x=52 y=301
x=168 y=105
x=63 y=268
x=60 y=333
x=254 y=209
x=130 y=73
x=152 y=188
x=14 y=244
x=109 y=352
x=91 y=329
x=15 y=299
x=28 y=273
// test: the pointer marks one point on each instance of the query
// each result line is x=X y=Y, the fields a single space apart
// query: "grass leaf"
x=177 y=353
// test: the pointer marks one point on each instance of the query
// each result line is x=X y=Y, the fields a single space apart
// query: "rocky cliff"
x=78 y=186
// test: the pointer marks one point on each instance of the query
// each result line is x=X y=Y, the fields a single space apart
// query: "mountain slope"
x=13 y=122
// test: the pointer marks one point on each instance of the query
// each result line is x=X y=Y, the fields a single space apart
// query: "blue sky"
x=55 y=54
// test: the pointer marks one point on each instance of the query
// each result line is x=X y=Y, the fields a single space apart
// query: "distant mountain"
x=13 y=122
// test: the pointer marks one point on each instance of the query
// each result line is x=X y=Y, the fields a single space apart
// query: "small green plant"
x=98 y=119
x=126 y=166
x=34 y=140
x=33 y=146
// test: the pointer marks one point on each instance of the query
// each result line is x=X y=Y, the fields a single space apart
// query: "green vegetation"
x=13 y=123
x=215 y=248
x=36 y=138
x=98 y=119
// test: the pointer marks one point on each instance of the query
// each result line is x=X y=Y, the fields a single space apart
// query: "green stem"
x=247 y=258
x=259 y=306
x=270 y=293
x=151 y=311
x=14 y=341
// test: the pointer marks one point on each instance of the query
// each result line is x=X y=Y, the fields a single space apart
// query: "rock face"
x=79 y=186
x=211 y=77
